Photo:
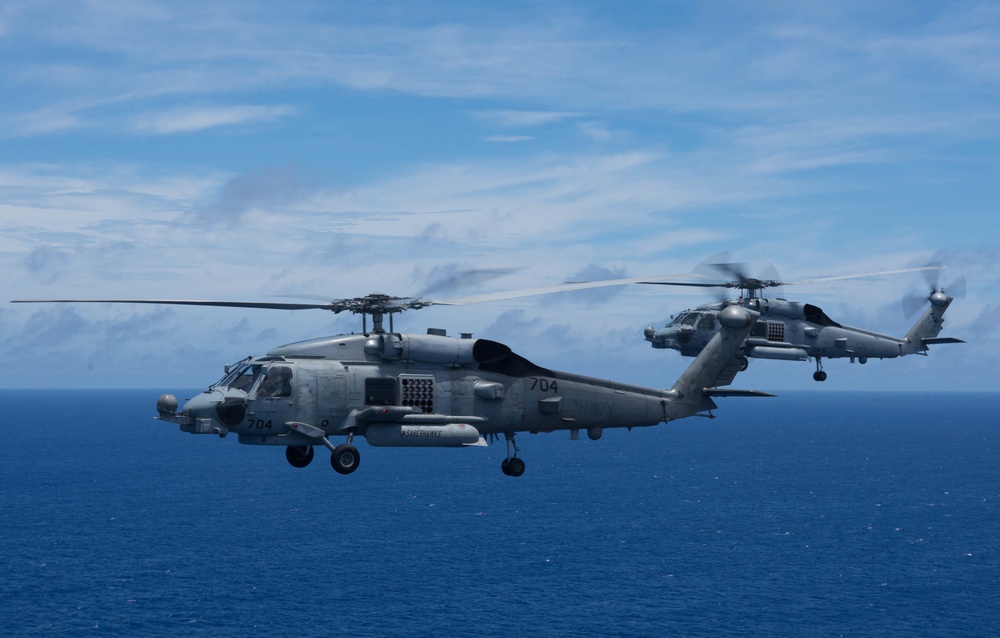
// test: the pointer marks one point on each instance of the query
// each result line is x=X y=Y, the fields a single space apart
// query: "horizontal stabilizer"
x=720 y=392
x=939 y=340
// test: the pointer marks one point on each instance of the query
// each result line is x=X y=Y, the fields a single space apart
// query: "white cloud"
x=596 y=131
x=814 y=65
x=524 y=118
x=195 y=118
x=550 y=216
x=508 y=139
x=41 y=122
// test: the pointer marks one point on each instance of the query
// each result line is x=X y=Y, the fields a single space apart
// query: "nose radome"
x=166 y=405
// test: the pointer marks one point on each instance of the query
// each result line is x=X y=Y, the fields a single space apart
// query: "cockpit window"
x=707 y=321
x=277 y=382
x=684 y=319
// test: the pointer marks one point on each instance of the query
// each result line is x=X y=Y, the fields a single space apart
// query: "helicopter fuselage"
x=412 y=390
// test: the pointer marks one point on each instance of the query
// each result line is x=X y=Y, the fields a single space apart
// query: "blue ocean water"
x=813 y=514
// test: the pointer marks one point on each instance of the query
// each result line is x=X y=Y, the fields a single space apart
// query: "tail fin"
x=693 y=390
x=928 y=327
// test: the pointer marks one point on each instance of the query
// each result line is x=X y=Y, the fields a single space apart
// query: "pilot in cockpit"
x=276 y=383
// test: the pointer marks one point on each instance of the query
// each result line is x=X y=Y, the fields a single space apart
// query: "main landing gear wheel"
x=516 y=467
x=345 y=459
x=299 y=455
x=512 y=466
x=819 y=375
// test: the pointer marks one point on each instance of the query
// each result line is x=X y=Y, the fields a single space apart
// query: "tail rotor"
x=915 y=302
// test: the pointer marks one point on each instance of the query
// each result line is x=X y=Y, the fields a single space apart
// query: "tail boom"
x=927 y=328
x=693 y=390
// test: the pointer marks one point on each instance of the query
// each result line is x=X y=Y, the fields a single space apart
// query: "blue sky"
x=245 y=150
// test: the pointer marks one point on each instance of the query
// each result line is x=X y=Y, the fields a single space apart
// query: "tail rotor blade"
x=933 y=275
x=956 y=289
x=916 y=302
x=913 y=303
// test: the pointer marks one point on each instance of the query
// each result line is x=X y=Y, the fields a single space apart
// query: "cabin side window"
x=380 y=391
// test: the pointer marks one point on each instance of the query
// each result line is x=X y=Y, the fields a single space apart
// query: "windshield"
x=685 y=319
x=241 y=377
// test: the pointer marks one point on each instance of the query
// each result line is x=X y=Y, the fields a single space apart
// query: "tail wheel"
x=345 y=459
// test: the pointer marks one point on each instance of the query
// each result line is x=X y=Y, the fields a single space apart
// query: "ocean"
x=810 y=514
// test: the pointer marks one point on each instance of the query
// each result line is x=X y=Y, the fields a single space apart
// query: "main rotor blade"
x=719 y=284
x=455 y=281
x=191 y=302
x=546 y=290
x=861 y=275
x=737 y=270
x=720 y=295
x=771 y=279
x=366 y=304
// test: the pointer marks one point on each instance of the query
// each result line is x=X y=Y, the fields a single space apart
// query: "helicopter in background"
x=794 y=331
x=430 y=390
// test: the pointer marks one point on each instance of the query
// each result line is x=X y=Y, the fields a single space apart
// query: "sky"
x=257 y=151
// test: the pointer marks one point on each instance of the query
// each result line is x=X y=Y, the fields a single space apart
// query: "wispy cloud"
x=195 y=118
x=524 y=118
x=43 y=121
x=509 y=139
x=47 y=262
x=269 y=189
x=596 y=131
x=785 y=66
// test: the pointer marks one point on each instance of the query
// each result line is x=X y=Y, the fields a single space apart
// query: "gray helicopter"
x=430 y=390
x=793 y=331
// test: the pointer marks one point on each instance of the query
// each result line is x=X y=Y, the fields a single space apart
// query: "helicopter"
x=794 y=331
x=429 y=390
